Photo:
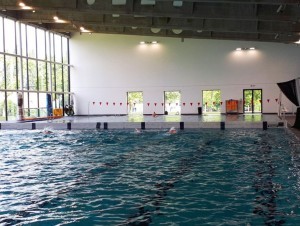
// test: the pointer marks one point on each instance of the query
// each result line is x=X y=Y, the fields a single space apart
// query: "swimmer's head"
x=172 y=130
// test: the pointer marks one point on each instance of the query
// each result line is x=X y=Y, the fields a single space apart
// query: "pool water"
x=195 y=177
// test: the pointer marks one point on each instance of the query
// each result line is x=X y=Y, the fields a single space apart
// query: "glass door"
x=211 y=101
x=172 y=103
x=135 y=102
x=252 y=100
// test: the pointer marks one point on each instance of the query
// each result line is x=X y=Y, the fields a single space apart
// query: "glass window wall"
x=9 y=36
x=34 y=62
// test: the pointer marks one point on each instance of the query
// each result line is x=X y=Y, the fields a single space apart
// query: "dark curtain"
x=290 y=91
x=297 y=120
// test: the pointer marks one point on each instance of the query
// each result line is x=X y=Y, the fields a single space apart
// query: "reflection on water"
x=136 y=118
x=253 y=118
x=172 y=118
x=212 y=118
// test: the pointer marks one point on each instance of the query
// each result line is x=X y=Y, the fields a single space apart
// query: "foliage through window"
x=35 y=60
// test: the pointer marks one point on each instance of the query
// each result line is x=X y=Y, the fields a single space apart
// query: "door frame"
x=177 y=106
x=128 y=107
x=252 y=104
x=220 y=107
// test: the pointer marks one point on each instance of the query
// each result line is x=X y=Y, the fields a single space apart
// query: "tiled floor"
x=149 y=122
x=272 y=118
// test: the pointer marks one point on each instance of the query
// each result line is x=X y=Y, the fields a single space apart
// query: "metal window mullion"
x=45 y=35
x=54 y=69
x=62 y=67
x=69 y=77
x=32 y=58
x=50 y=62
x=27 y=74
x=37 y=73
x=17 y=74
x=21 y=59
x=4 y=71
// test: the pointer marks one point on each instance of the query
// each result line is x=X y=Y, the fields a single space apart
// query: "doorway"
x=211 y=101
x=135 y=102
x=172 y=102
x=252 y=100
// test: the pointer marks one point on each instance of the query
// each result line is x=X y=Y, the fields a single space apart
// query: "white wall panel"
x=106 y=67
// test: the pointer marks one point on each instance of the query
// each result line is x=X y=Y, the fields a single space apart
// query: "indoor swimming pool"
x=195 y=177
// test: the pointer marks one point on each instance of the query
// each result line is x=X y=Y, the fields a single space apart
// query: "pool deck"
x=220 y=121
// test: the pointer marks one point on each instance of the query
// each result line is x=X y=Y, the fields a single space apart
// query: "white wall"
x=106 y=67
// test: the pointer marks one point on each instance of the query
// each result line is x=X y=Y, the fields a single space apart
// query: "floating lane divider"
x=33 y=126
x=181 y=124
x=143 y=125
x=222 y=125
x=265 y=125
x=105 y=125
x=0 y=125
x=69 y=126
x=98 y=125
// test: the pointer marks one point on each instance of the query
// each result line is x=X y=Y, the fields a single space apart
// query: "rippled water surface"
x=210 y=177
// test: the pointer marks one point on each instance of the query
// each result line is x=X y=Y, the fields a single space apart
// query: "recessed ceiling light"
x=298 y=42
x=238 y=49
x=155 y=30
x=142 y=42
x=22 y=4
x=55 y=18
x=90 y=2
x=154 y=42
x=177 y=31
x=252 y=48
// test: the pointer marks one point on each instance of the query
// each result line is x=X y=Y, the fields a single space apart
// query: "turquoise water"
x=208 y=177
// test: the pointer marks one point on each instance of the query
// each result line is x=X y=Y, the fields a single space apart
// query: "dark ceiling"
x=253 y=20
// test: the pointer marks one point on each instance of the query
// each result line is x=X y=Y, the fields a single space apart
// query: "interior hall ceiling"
x=252 y=20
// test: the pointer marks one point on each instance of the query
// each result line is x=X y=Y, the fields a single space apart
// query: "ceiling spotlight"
x=148 y=43
x=82 y=29
x=23 y=6
x=177 y=31
x=33 y=11
x=90 y=2
x=155 y=30
x=245 y=48
x=55 y=18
